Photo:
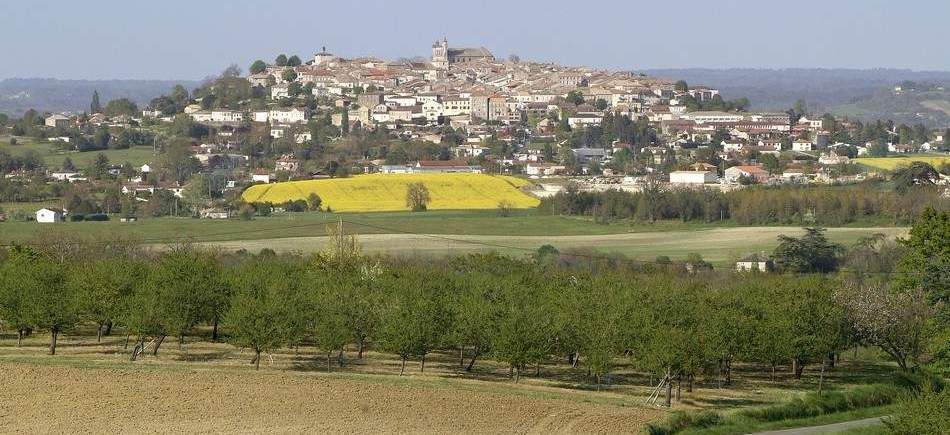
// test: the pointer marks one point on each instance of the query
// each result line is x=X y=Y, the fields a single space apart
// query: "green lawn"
x=437 y=233
x=53 y=156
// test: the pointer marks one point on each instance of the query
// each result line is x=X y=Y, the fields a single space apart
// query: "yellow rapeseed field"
x=889 y=163
x=387 y=192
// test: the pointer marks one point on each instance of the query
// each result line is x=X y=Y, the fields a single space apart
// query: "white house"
x=755 y=263
x=693 y=177
x=288 y=116
x=226 y=116
x=703 y=117
x=57 y=120
x=260 y=175
x=802 y=145
x=585 y=119
x=536 y=169
x=50 y=215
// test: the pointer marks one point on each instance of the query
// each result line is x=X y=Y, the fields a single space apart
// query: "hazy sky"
x=176 y=39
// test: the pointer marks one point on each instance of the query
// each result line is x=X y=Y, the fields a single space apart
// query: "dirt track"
x=58 y=399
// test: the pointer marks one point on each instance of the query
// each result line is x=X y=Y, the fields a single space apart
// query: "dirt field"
x=54 y=399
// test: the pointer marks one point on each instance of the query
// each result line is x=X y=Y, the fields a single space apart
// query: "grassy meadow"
x=387 y=192
x=53 y=156
x=440 y=233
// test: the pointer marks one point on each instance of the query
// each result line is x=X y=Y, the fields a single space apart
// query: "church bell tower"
x=440 y=54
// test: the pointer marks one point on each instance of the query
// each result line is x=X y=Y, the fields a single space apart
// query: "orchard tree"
x=50 y=304
x=14 y=274
x=100 y=287
x=189 y=282
x=269 y=306
x=414 y=317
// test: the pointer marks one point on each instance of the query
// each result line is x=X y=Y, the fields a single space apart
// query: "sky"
x=176 y=39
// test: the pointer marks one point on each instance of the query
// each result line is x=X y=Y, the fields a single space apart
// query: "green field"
x=53 y=156
x=437 y=233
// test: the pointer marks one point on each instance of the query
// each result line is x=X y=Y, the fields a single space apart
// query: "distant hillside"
x=778 y=89
x=53 y=95
x=929 y=107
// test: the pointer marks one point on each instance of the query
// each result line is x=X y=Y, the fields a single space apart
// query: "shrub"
x=680 y=421
x=77 y=217
x=812 y=405
x=927 y=413
x=97 y=217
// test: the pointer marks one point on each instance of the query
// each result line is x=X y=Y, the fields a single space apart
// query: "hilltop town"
x=462 y=110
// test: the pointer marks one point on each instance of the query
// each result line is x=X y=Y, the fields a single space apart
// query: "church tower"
x=440 y=54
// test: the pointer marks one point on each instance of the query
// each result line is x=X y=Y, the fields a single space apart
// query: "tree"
x=100 y=287
x=771 y=164
x=13 y=292
x=896 y=322
x=926 y=264
x=95 y=106
x=417 y=196
x=281 y=60
x=68 y=164
x=49 y=303
x=918 y=173
x=329 y=329
x=269 y=308
x=190 y=290
x=289 y=75
x=294 y=61
x=475 y=313
x=812 y=253
x=575 y=97
x=122 y=106
x=414 y=317
x=257 y=67
x=681 y=86
x=314 y=202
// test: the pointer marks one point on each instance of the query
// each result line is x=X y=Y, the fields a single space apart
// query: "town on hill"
x=529 y=247
x=329 y=116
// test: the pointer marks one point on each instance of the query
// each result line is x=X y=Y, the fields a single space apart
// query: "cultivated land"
x=437 y=233
x=387 y=192
x=210 y=387
x=890 y=163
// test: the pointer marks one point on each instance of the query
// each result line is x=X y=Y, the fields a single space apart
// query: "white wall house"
x=50 y=215
x=693 y=177
x=226 y=116
x=288 y=116
x=802 y=145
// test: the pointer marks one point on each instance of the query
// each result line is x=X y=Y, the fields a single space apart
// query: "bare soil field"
x=49 y=399
x=205 y=387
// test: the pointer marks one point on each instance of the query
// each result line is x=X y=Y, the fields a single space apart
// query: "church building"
x=443 y=56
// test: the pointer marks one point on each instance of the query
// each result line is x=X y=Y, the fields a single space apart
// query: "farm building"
x=693 y=177
x=50 y=215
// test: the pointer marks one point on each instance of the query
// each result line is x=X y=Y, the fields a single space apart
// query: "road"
x=828 y=428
